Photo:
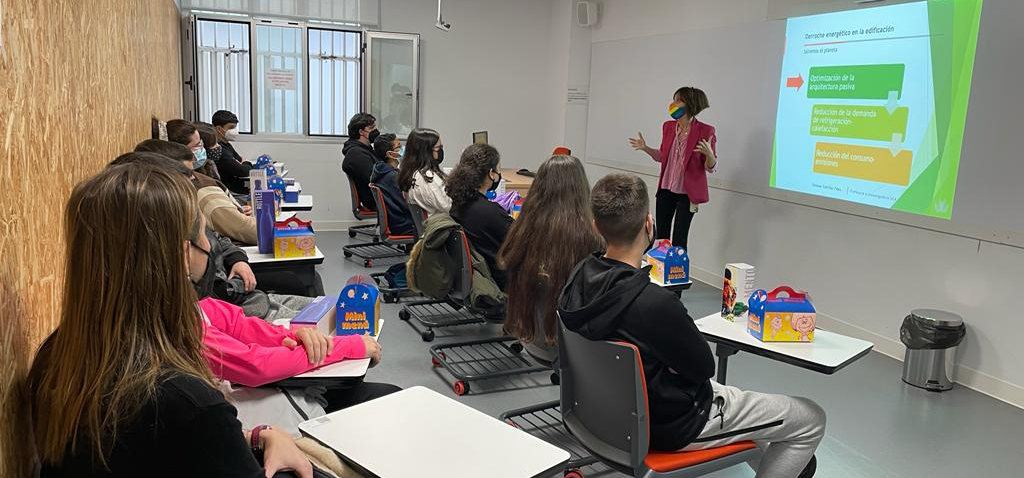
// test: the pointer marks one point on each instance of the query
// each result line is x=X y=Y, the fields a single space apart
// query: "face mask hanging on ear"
x=440 y=156
x=200 y=155
x=204 y=286
x=214 y=153
x=654 y=234
x=494 y=184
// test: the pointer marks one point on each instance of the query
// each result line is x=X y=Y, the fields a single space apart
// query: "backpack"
x=429 y=269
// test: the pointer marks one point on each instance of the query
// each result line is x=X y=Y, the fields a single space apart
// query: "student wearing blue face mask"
x=385 y=176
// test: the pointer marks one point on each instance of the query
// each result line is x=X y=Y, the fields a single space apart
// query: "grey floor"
x=878 y=427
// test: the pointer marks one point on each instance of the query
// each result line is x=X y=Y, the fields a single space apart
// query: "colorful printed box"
x=294 y=237
x=358 y=307
x=263 y=161
x=319 y=314
x=669 y=265
x=517 y=208
x=781 y=319
x=738 y=285
x=291 y=192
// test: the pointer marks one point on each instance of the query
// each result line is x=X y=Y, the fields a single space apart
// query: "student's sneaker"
x=810 y=468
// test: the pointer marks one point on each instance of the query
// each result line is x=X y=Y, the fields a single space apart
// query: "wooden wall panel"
x=79 y=81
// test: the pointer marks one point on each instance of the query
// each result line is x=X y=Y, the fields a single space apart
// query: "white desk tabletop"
x=828 y=353
x=419 y=432
x=305 y=203
x=256 y=258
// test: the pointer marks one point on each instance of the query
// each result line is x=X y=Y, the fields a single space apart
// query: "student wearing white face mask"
x=232 y=167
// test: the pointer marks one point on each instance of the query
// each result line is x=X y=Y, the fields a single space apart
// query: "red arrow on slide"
x=795 y=82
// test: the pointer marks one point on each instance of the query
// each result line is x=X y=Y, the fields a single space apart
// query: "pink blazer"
x=248 y=351
x=695 y=177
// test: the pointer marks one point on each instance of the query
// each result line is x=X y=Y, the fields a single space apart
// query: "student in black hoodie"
x=385 y=176
x=359 y=157
x=609 y=297
x=233 y=169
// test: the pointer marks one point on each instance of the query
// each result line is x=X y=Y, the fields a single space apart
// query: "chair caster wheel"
x=427 y=336
x=516 y=348
x=573 y=474
x=555 y=379
x=347 y=253
x=351 y=233
x=403 y=314
x=461 y=388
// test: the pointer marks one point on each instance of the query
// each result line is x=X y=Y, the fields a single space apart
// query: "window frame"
x=304 y=137
x=359 y=75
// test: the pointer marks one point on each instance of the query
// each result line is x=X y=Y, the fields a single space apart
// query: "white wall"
x=502 y=68
x=865 y=275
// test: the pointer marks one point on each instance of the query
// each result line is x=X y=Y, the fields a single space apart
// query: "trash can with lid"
x=932 y=338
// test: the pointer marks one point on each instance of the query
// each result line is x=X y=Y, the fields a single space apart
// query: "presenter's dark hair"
x=695 y=99
x=223 y=118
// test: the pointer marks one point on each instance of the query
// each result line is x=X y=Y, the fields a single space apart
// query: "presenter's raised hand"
x=639 y=144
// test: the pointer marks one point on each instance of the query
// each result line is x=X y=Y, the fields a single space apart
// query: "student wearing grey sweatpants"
x=786 y=429
x=609 y=296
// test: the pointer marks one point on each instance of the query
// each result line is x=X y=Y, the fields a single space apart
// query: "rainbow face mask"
x=676 y=111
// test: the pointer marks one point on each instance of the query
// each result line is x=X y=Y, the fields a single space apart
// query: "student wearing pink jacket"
x=251 y=352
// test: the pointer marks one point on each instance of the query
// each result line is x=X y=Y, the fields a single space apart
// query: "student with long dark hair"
x=485 y=222
x=121 y=387
x=553 y=233
x=420 y=175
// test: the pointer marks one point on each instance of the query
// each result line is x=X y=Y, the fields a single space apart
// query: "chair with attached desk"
x=449 y=311
x=361 y=213
x=604 y=406
x=390 y=244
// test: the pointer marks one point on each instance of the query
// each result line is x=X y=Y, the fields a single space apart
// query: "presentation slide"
x=872 y=104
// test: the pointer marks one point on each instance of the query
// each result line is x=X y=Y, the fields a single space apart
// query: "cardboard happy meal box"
x=772 y=318
x=358 y=307
x=517 y=208
x=263 y=160
x=294 y=237
x=669 y=265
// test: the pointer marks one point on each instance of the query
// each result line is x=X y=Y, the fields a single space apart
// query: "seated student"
x=485 y=222
x=609 y=297
x=214 y=150
x=385 y=176
x=233 y=169
x=420 y=175
x=251 y=352
x=553 y=233
x=359 y=158
x=121 y=388
x=234 y=280
x=223 y=213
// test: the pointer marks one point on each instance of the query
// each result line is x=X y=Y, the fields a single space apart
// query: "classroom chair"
x=361 y=214
x=604 y=405
x=489 y=358
x=389 y=244
x=450 y=311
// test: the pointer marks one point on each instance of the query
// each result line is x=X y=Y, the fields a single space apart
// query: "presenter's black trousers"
x=669 y=206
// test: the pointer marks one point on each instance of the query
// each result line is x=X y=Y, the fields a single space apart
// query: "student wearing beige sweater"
x=222 y=212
